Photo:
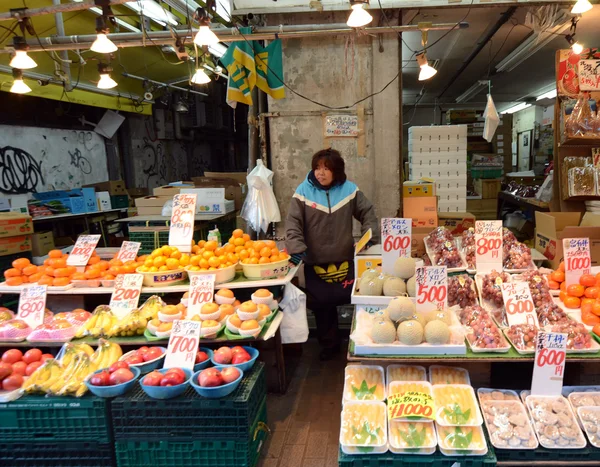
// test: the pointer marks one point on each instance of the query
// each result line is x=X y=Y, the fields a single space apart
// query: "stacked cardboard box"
x=440 y=153
x=15 y=233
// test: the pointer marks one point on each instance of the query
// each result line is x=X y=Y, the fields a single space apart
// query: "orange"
x=264 y=260
x=176 y=254
x=211 y=245
x=246 y=237
x=172 y=264
x=239 y=242
x=195 y=249
x=562 y=296
x=572 y=302
x=159 y=261
x=232 y=258
x=587 y=301
x=237 y=233
x=214 y=262
x=109 y=277
x=60 y=281
x=561 y=266
x=29 y=270
x=239 y=249
x=45 y=280
x=61 y=272
x=102 y=264
x=249 y=245
x=35 y=277
x=254 y=254
x=576 y=290
x=130 y=269
x=587 y=280
x=229 y=248
x=21 y=263
x=14 y=281
x=252 y=260
x=558 y=276
x=270 y=244
x=208 y=254
x=258 y=245
x=12 y=272
x=55 y=254
x=201 y=243
x=283 y=257
x=49 y=271
x=195 y=260
x=219 y=251
x=243 y=254
x=92 y=274
x=553 y=284
x=274 y=258
x=592 y=292
x=265 y=252
x=203 y=264
x=59 y=263
x=72 y=270
x=78 y=276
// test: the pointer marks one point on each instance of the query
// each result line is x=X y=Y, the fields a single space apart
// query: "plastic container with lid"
x=554 y=422
x=409 y=437
x=461 y=440
x=584 y=399
x=402 y=387
x=590 y=419
x=448 y=375
x=364 y=383
x=508 y=425
x=405 y=373
x=456 y=405
x=363 y=427
x=489 y=394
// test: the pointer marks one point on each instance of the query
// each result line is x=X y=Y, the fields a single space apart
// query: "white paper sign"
x=83 y=249
x=549 y=365
x=32 y=305
x=202 y=288
x=589 y=75
x=488 y=246
x=341 y=126
x=126 y=294
x=432 y=288
x=395 y=241
x=129 y=251
x=181 y=231
x=518 y=304
x=183 y=344
x=578 y=260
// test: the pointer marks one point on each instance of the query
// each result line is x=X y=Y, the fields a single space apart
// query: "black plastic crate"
x=411 y=460
x=542 y=454
x=138 y=417
x=56 y=454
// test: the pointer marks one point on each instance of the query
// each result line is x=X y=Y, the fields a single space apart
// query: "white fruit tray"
x=372 y=300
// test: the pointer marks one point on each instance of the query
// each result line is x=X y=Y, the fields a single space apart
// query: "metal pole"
x=47 y=10
x=141 y=78
x=60 y=30
x=253 y=143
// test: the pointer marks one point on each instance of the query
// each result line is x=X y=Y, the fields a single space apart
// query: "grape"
x=550 y=314
x=516 y=256
x=523 y=336
x=540 y=292
x=461 y=291
x=482 y=332
x=442 y=245
x=578 y=337
x=493 y=291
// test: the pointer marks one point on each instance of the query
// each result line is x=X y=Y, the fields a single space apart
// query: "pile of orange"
x=584 y=295
x=209 y=256
x=22 y=272
x=256 y=252
x=165 y=258
x=55 y=270
x=98 y=268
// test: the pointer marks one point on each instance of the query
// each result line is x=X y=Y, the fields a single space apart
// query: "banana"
x=85 y=348
x=39 y=376
x=55 y=375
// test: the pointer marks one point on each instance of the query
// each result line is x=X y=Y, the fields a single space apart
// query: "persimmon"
x=576 y=290
x=557 y=276
x=587 y=280
x=552 y=284
x=572 y=302
x=592 y=292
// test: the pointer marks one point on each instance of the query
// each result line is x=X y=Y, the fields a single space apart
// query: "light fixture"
x=181 y=107
x=547 y=95
x=102 y=44
x=516 y=108
x=473 y=91
x=426 y=70
x=120 y=22
x=581 y=7
x=359 y=16
x=200 y=77
x=154 y=11
x=19 y=86
x=218 y=50
x=205 y=36
x=21 y=60
x=106 y=82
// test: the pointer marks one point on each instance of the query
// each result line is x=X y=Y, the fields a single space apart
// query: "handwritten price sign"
x=432 y=288
x=589 y=75
x=488 y=246
x=411 y=405
x=183 y=344
x=519 y=304
x=182 y=221
x=578 y=260
x=396 y=241
x=201 y=291
x=126 y=295
x=32 y=304
x=129 y=251
x=549 y=368
x=83 y=249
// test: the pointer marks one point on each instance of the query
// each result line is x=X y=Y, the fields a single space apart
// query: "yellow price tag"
x=366 y=238
x=411 y=405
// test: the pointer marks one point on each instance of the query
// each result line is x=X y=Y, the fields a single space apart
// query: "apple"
x=100 y=379
x=172 y=378
x=120 y=376
x=32 y=367
x=240 y=358
x=12 y=382
x=117 y=365
x=223 y=356
x=152 y=379
x=152 y=354
x=142 y=350
x=12 y=356
x=81 y=315
x=230 y=374
x=6 y=369
x=134 y=359
x=201 y=356
x=19 y=368
x=179 y=371
x=210 y=377
x=237 y=348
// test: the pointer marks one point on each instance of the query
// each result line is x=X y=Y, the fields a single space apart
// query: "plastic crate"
x=486 y=172
x=407 y=460
x=39 y=418
x=137 y=416
x=119 y=201
x=56 y=455
x=241 y=452
x=542 y=454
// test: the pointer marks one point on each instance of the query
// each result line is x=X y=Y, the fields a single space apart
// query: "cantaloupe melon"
x=369 y=274
x=394 y=286
x=381 y=314
x=404 y=268
x=401 y=309
x=383 y=332
x=420 y=317
x=437 y=332
x=410 y=332
x=371 y=286
x=411 y=287
x=443 y=315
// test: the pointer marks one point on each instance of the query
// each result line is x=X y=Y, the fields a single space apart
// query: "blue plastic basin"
x=241 y=366
x=207 y=363
x=147 y=367
x=112 y=391
x=216 y=391
x=167 y=392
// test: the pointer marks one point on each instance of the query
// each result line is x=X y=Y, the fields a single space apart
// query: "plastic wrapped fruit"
x=550 y=314
x=405 y=373
x=438 y=237
x=6 y=315
x=508 y=238
x=461 y=291
x=517 y=256
x=412 y=437
x=14 y=330
x=482 y=332
x=523 y=336
x=540 y=292
x=58 y=330
x=364 y=383
x=448 y=375
x=578 y=337
x=456 y=405
x=363 y=427
x=461 y=439
x=447 y=255
x=130 y=325
x=492 y=287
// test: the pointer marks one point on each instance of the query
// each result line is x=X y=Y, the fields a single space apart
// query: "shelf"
x=82 y=214
x=198 y=217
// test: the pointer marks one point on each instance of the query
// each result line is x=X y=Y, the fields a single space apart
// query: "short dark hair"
x=333 y=161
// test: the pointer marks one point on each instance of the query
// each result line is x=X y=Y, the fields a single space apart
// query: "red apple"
x=12 y=356
x=117 y=365
x=172 y=378
x=240 y=358
x=201 y=356
x=32 y=367
x=178 y=371
x=142 y=350
x=12 y=382
x=152 y=379
x=230 y=374
x=120 y=376
x=32 y=355
x=210 y=377
x=20 y=368
x=152 y=353
x=134 y=360
x=6 y=369
x=101 y=379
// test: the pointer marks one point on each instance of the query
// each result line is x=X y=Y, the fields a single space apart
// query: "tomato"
x=46 y=356
x=596 y=329
x=32 y=355
x=177 y=371
x=576 y=290
x=20 y=368
x=122 y=375
x=100 y=379
x=32 y=367
x=12 y=356
x=553 y=284
x=117 y=365
x=12 y=382
x=592 y=292
x=572 y=302
x=558 y=276
x=561 y=266
x=5 y=370
x=152 y=353
x=587 y=280
x=590 y=319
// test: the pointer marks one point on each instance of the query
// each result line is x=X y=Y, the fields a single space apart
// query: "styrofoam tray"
x=373 y=300
x=461 y=452
x=360 y=449
x=424 y=450
x=593 y=437
x=420 y=370
x=495 y=427
x=519 y=351
x=482 y=392
x=478 y=418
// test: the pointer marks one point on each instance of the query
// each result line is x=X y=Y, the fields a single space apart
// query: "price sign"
x=395 y=241
x=578 y=260
x=182 y=221
x=488 y=246
x=411 y=405
x=432 y=288
x=549 y=365
x=201 y=292
x=32 y=305
x=126 y=295
x=129 y=251
x=83 y=249
x=519 y=304
x=183 y=344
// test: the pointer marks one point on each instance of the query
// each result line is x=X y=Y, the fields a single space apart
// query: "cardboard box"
x=114 y=188
x=89 y=197
x=13 y=224
x=14 y=245
x=418 y=241
x=488 y=189
x=233 y=190
x=152 y=201
x=364 y=262
x=461 y=116
x=239 y=177
x=169 y=190
x=456 y=222
x=103 y=198
x=422 y=211
x=149 y=211
x=418 y=189
x=137 y=192
x=42 y=243
x=73 y=202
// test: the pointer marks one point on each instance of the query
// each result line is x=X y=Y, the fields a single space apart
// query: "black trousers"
x=327 y=287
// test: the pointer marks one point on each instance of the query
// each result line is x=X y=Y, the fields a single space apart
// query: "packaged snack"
x=412 y=437
x=364 y=427
x=448 y=375
x=461 y=438
x=554 y=422
x=590 y=419
x=508 y=425
x=456 y=405
x=582 y=181
x=364 y=383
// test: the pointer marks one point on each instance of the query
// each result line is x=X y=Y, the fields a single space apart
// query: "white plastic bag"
x=294 y=326
x=260 y=207
x=492 y=119
x=545 y=192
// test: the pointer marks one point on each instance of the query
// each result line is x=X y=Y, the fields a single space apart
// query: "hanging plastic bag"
x=492 y=119
x=260 y=207
x=294 y=326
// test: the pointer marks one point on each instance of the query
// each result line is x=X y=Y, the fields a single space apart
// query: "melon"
x=401 y=309
x=381 y=314
x=420 y=317
x=410 y=332
x=394 y=286
x=411 y=287
x=437 y=332
x=443 y=315
x=371 y=286
x=383 y=332
x=369 y=274
x=404 y=268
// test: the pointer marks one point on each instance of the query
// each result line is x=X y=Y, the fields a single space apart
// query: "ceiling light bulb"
x=19 y=87
x=427 y=71
x=103 y=45
x=200 y=77
x=577 y=48
x=22 y=61
x=581 y=7
x=359 y=16
x=205 y=37
x=106 y=82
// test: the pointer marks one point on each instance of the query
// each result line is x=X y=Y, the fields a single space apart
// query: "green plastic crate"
x=542 y=454
x=39 y=418
x=119 y=201
x=233 y=452
x=136 y=416
x=486 y=172
x=56 y=454
x=6 y=261
x=407 y=460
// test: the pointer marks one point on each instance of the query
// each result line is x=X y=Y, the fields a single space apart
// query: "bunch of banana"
x=130 y=325
x=105 y=355
x=101 y=321
x=73 y=376
x=50 y=370
x=73 y=349
x=150 y=308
